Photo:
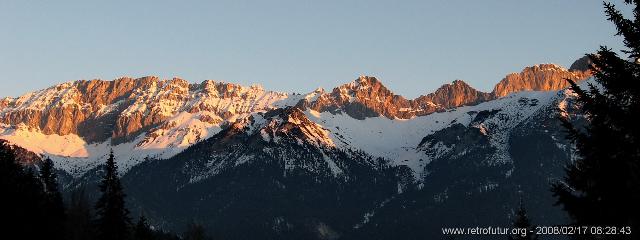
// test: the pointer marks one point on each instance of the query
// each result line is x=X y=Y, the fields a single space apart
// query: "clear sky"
x=294 y=46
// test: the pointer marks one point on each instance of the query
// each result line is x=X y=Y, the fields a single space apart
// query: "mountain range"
x=357 y=162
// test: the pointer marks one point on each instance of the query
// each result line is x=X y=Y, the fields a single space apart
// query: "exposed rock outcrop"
x=582 y=64
x=367 y=97
x=362 y=98
x=123 y=108
x=456 y=94
x=541 y=77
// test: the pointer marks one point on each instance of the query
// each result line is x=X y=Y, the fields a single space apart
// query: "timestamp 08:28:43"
x=583 y=230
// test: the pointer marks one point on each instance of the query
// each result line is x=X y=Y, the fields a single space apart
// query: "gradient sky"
x=294 y=46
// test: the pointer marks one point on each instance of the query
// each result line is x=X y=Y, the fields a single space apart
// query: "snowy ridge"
x=179 y=114
x=269 y=128
x=284 y=135
x=398 y=139
x=161 y=118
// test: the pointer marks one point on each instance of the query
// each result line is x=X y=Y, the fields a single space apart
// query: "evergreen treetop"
x=112 y=215
x=53 y=206
x=521 y=221
x=602 y=186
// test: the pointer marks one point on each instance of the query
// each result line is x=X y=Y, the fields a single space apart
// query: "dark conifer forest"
x=34 y=208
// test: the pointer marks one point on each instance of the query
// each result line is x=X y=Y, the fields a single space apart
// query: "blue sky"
x=294 y=46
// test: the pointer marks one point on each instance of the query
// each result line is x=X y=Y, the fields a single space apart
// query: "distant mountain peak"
x=539 y=77
x=582 y=64
x=455 y=94
x=129 y=106
x=364 y=97
x=361 y=85
x=292 y=124
x=123 y=108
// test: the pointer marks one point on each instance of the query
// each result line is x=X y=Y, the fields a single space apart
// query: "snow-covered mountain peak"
x=287 y=123
x=149 y=116
x=126 y=107
x=540 y=77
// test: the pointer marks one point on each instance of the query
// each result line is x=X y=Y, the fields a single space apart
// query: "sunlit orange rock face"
x=456 y=94
x=124 y=108
x=542 y=77
x=364 y=97
x=367 y=97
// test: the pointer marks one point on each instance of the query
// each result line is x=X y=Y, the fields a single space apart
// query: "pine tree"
x=53 y=205
x=602 y=186
x=112 y=216
x=522 y=221
x=142 y=231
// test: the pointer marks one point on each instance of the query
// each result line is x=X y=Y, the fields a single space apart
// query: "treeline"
x=32 y=206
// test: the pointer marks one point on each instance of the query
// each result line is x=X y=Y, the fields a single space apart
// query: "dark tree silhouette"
x=49 y=178
x=112 y=221
x=522 y=221
x=22 y=205
x=142 y=231
x=602 y=186
x=54 y=207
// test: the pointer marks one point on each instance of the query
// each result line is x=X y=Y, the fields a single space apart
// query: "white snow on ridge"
x=195 y=113
x=35 y=141
x=397 y=139
x=73 y=155
x=393 y=139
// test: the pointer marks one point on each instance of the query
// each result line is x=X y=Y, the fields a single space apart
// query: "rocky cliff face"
x=367 y=97
x=362 y=98
x=123 y=108
x=283 y=159
x=582 y=64
x=541 y=77
x=269 y=168
x=456 y=94
x=371 y=179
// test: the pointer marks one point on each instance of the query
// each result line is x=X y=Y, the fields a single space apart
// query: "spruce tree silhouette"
x=112 y=221
x=522 y=221
x=53 y=205
x=602 y=186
